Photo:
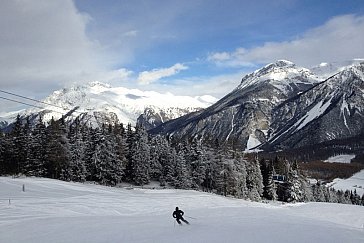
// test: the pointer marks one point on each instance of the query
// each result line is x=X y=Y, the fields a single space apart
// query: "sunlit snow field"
x=55 y=211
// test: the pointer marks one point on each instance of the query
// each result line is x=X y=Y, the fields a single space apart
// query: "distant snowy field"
x=55 y=211
x=344 y=158
x=356 y=182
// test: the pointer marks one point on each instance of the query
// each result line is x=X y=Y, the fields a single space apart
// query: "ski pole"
x=190 y=217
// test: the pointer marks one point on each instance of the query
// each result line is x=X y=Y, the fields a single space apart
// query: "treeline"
x=113 y=154
x=324 y=150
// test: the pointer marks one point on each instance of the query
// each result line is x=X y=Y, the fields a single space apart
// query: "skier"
x=178 y=215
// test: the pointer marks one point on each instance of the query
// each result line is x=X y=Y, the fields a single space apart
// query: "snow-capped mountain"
x=98 y=103
x=282 y=106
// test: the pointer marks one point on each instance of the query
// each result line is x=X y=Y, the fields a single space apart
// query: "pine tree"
x=269 y=187
x=318 y=192
x=254 y=181
x=77 y=167
x=197 y=162
x=90 y=138
x=108 y=167
x=37 y=159
x=119 y=134
x=181 y=176
x=2 y=154
x=293 y=185
x=17 y=149
x=158 y=155
x=57 y=150
x=140 y=152
x=130 y=141
x=240 y=175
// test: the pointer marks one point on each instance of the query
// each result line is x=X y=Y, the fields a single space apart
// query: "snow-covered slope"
x=55 y=211
x=354 y=183
x=100 y=103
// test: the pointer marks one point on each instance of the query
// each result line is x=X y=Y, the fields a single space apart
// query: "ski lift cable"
x=39 y=101
x=20 y=102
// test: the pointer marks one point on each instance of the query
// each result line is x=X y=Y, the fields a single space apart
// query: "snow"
x=232 y=125
x=356 y=182
x=127 y=104
x=55 y=211
x=343 y=158
x=281 y=75
x=345 y=107
x=252 y=142
x=315 y=112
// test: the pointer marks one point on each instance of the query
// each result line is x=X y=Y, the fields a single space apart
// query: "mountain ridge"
x=257 y=114
x=101 y=103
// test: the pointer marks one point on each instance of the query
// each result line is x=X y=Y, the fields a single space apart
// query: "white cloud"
x=219 y=56
x=154 y=75
x=340 y=38
x=217 y=86
x=44 y=43
x=131 y=33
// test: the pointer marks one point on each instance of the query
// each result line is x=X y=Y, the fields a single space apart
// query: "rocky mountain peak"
x=281 y=106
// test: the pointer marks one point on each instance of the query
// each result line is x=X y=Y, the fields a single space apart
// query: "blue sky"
x=190 y=47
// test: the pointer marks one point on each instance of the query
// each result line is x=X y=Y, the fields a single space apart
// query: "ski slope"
x=353 y=183
x=55 y=211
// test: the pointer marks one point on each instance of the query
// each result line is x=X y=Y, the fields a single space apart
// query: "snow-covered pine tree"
x=91 y=138
x=306 y=189
x=181 y=178
x=64 y=142
x=168 y=162
x=269 y=186
x=240 y=175
x=27 y=138
x=2 y=153
x=355 y=198
x=77 y=166
x=234 y=176
x=140 y=152
x=219 y=175
x=293 y=186
x=17 y=149
x=130 y=137
x=7 y=165
x=37 y=159
x=197 y=161
x=119 y=134
x=57 y=150
x=159 y=148
x=254 y=180
x=332 y=195
x=318 y=192
x=209 y=172
x=108 y=167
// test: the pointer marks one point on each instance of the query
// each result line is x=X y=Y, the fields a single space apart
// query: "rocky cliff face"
x=332 y=109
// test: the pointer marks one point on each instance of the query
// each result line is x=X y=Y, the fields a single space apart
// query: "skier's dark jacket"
x=178 y=214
